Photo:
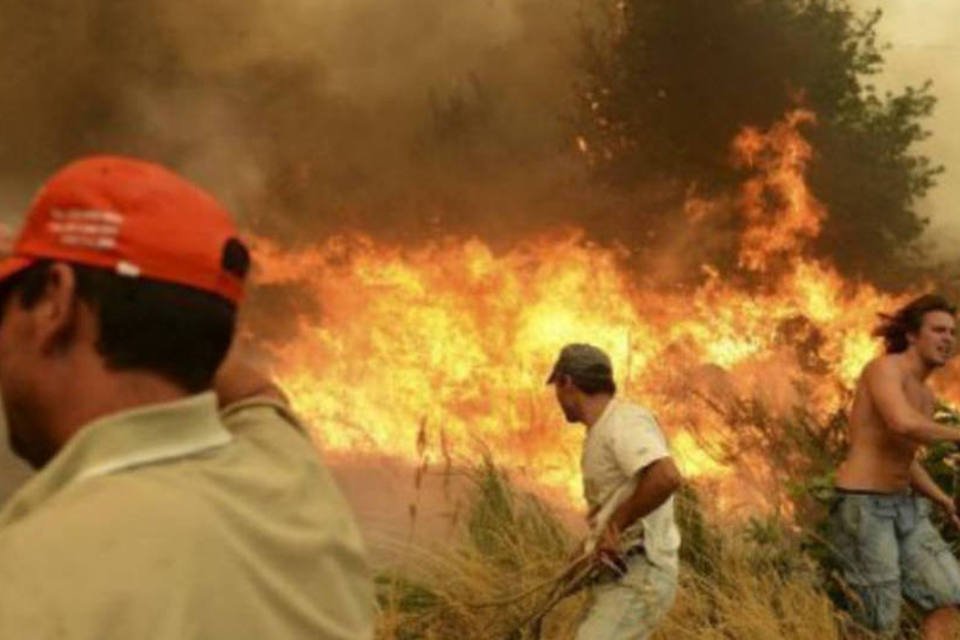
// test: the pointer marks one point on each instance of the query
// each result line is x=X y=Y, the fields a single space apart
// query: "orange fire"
x=453 y=341
x=780 y=227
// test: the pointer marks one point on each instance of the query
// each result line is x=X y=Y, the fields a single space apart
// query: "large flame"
x=442 y=350
x=781 y=212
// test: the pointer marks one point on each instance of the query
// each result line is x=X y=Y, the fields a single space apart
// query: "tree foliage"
x=669 y=83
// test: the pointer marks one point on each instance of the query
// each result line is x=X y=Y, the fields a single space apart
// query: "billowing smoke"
x=404 y=119
x=397 y=118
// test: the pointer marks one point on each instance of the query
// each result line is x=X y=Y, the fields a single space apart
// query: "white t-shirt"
x=623 y=441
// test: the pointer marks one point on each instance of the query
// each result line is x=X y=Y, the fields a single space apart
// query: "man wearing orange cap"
x=153 y=514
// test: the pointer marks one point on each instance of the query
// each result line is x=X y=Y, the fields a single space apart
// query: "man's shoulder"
x=135 y=497
x=628 y=412
x=270 y=435
x=885 y=366
x=266 y=417
x=108 y=516
x=633 y=422
x=886 y=362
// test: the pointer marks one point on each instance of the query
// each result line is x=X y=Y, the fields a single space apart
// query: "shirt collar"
x=607 y=411
x=142 y=436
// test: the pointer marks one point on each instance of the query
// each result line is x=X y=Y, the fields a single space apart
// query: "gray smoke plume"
x=402 y=118
x=393 y=116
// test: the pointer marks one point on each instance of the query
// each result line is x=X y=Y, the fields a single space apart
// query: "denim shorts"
x=888 y=549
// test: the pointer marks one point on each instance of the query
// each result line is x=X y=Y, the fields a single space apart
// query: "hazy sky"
x=925 y=40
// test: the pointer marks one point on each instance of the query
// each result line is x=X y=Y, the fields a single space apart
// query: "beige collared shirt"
x=171 y=522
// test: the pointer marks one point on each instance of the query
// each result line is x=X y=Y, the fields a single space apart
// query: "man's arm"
x=922 y=483
x=655 y=484
x=884 y=383
x=238 y=380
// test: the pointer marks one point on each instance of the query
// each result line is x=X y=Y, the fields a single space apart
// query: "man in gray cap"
x=629 y=480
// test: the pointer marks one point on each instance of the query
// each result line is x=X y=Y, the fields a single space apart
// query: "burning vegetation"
x=452 y=340
x=430 y=234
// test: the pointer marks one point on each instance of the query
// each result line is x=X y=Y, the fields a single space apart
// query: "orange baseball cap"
x=133 y=217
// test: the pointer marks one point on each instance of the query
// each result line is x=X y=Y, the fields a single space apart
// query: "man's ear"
x=57 y=310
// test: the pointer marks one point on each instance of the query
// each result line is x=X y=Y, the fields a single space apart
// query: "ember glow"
x=441 y=351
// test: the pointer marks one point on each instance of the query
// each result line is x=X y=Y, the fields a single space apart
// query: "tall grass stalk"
x=752 y=581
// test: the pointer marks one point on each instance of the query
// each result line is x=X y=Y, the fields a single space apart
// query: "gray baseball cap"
x=582 y=362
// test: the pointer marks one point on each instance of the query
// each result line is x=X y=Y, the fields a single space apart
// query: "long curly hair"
x=894 y=328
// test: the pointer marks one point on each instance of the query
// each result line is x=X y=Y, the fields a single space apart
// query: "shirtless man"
x=881 y=522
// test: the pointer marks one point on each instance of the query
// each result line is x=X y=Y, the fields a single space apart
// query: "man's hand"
x=608 y=550
x=950 y=507
x=239 y=379
x=923 y=484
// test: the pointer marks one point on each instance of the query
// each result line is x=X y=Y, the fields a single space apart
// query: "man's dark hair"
x=592 y=386
x=893 y=329
x=174 y=331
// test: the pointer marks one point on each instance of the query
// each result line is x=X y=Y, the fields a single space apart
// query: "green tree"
x=669 y=83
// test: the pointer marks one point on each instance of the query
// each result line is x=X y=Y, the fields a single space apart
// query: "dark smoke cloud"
x=398 y=117
x=402 y=118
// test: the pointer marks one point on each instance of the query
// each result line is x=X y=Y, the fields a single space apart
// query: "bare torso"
x=878 y=459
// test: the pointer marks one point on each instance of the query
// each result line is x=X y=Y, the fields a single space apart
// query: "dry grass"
x=510 y=549
x=750 y=582
x=753 y=580
x=751 y=597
